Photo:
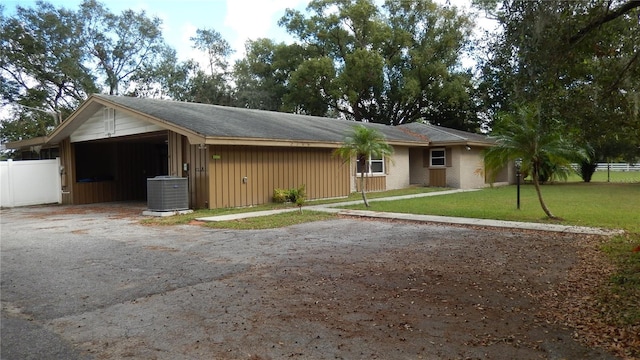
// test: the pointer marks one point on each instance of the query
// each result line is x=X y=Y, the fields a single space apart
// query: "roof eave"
x=215 y=140
x=462 y=143
x=212 y=140
x=27 y=143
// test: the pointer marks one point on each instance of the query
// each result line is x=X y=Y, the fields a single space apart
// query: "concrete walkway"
x=334 y=208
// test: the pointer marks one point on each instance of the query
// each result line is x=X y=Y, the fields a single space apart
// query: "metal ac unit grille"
x=166 y=193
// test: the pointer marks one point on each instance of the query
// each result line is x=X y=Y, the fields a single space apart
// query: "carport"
x=108 y=152
x=116 y=169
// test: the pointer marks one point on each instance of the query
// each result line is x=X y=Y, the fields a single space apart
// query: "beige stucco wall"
x=398 y=169
x=419 y=174
x=397 y=172
x=453 y=171
x=465 y=170
x=471 y=168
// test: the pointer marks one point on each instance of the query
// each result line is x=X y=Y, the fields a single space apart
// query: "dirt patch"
x=482 y=300
x=161 y=248
x=115 y=210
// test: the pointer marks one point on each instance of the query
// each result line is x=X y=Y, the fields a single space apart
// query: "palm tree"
x=524 y=135
x=363 y=144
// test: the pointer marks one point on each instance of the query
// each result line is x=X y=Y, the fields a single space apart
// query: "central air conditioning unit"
x=167 y=193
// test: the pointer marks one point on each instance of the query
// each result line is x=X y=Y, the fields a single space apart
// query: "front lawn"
x=611 y=176
x=608 y=205
x=276 y=221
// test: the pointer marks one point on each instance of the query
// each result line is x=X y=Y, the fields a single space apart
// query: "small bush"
x=295 y=196
x=280 y=195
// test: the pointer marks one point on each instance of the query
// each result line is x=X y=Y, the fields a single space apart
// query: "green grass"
x=275 y=221
x=272 y=221
x=376 y=195
x=614 y=205
x=187 y=218
x=614 y=177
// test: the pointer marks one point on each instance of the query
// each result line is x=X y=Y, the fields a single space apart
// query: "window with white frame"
x=438 y=157
x=376 y=165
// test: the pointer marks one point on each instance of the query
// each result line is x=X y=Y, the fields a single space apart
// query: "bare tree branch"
x=623 y=72
x=609 y=16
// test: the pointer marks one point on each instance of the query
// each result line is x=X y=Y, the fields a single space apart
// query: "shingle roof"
x=439 y=134
x=248 y=125
x=221 y=121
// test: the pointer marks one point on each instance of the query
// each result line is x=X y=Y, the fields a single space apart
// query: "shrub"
x=280 y=195
x=295 y=196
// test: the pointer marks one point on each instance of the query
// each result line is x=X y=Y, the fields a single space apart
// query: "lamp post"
x=518 y=167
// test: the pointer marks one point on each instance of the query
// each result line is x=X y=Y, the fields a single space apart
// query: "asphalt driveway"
x=90 y=282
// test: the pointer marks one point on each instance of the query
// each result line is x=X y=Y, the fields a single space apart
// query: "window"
x=376 y=165
x=438 y=157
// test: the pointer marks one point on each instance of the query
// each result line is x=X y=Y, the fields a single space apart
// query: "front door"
x=438 y=177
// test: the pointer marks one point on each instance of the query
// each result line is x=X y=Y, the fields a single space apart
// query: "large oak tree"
x=396 y=64
x=42 y=66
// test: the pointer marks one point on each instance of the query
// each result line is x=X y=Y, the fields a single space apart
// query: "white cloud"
x=249 y=19
x=185 y=45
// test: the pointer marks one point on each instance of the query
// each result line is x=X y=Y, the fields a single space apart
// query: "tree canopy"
x=393 y=65
x=579 y=60
x=42 y=66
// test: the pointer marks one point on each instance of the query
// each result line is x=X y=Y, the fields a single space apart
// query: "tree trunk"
x=587 y=168
x=364 y=195
x=536 y=183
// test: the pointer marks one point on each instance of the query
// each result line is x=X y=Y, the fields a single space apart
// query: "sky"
x=236 y=20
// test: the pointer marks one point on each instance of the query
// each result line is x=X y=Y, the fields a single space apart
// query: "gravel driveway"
x=90 y=282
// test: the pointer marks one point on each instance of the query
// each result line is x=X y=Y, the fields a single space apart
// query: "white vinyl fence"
x=612 y=167
x=29 y=182
x=618 y=167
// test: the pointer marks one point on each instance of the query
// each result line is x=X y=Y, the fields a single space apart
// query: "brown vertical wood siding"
x=373 y=183
x=268 y=168
x=438 y=177
x=175 y=154
x=198 y=174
